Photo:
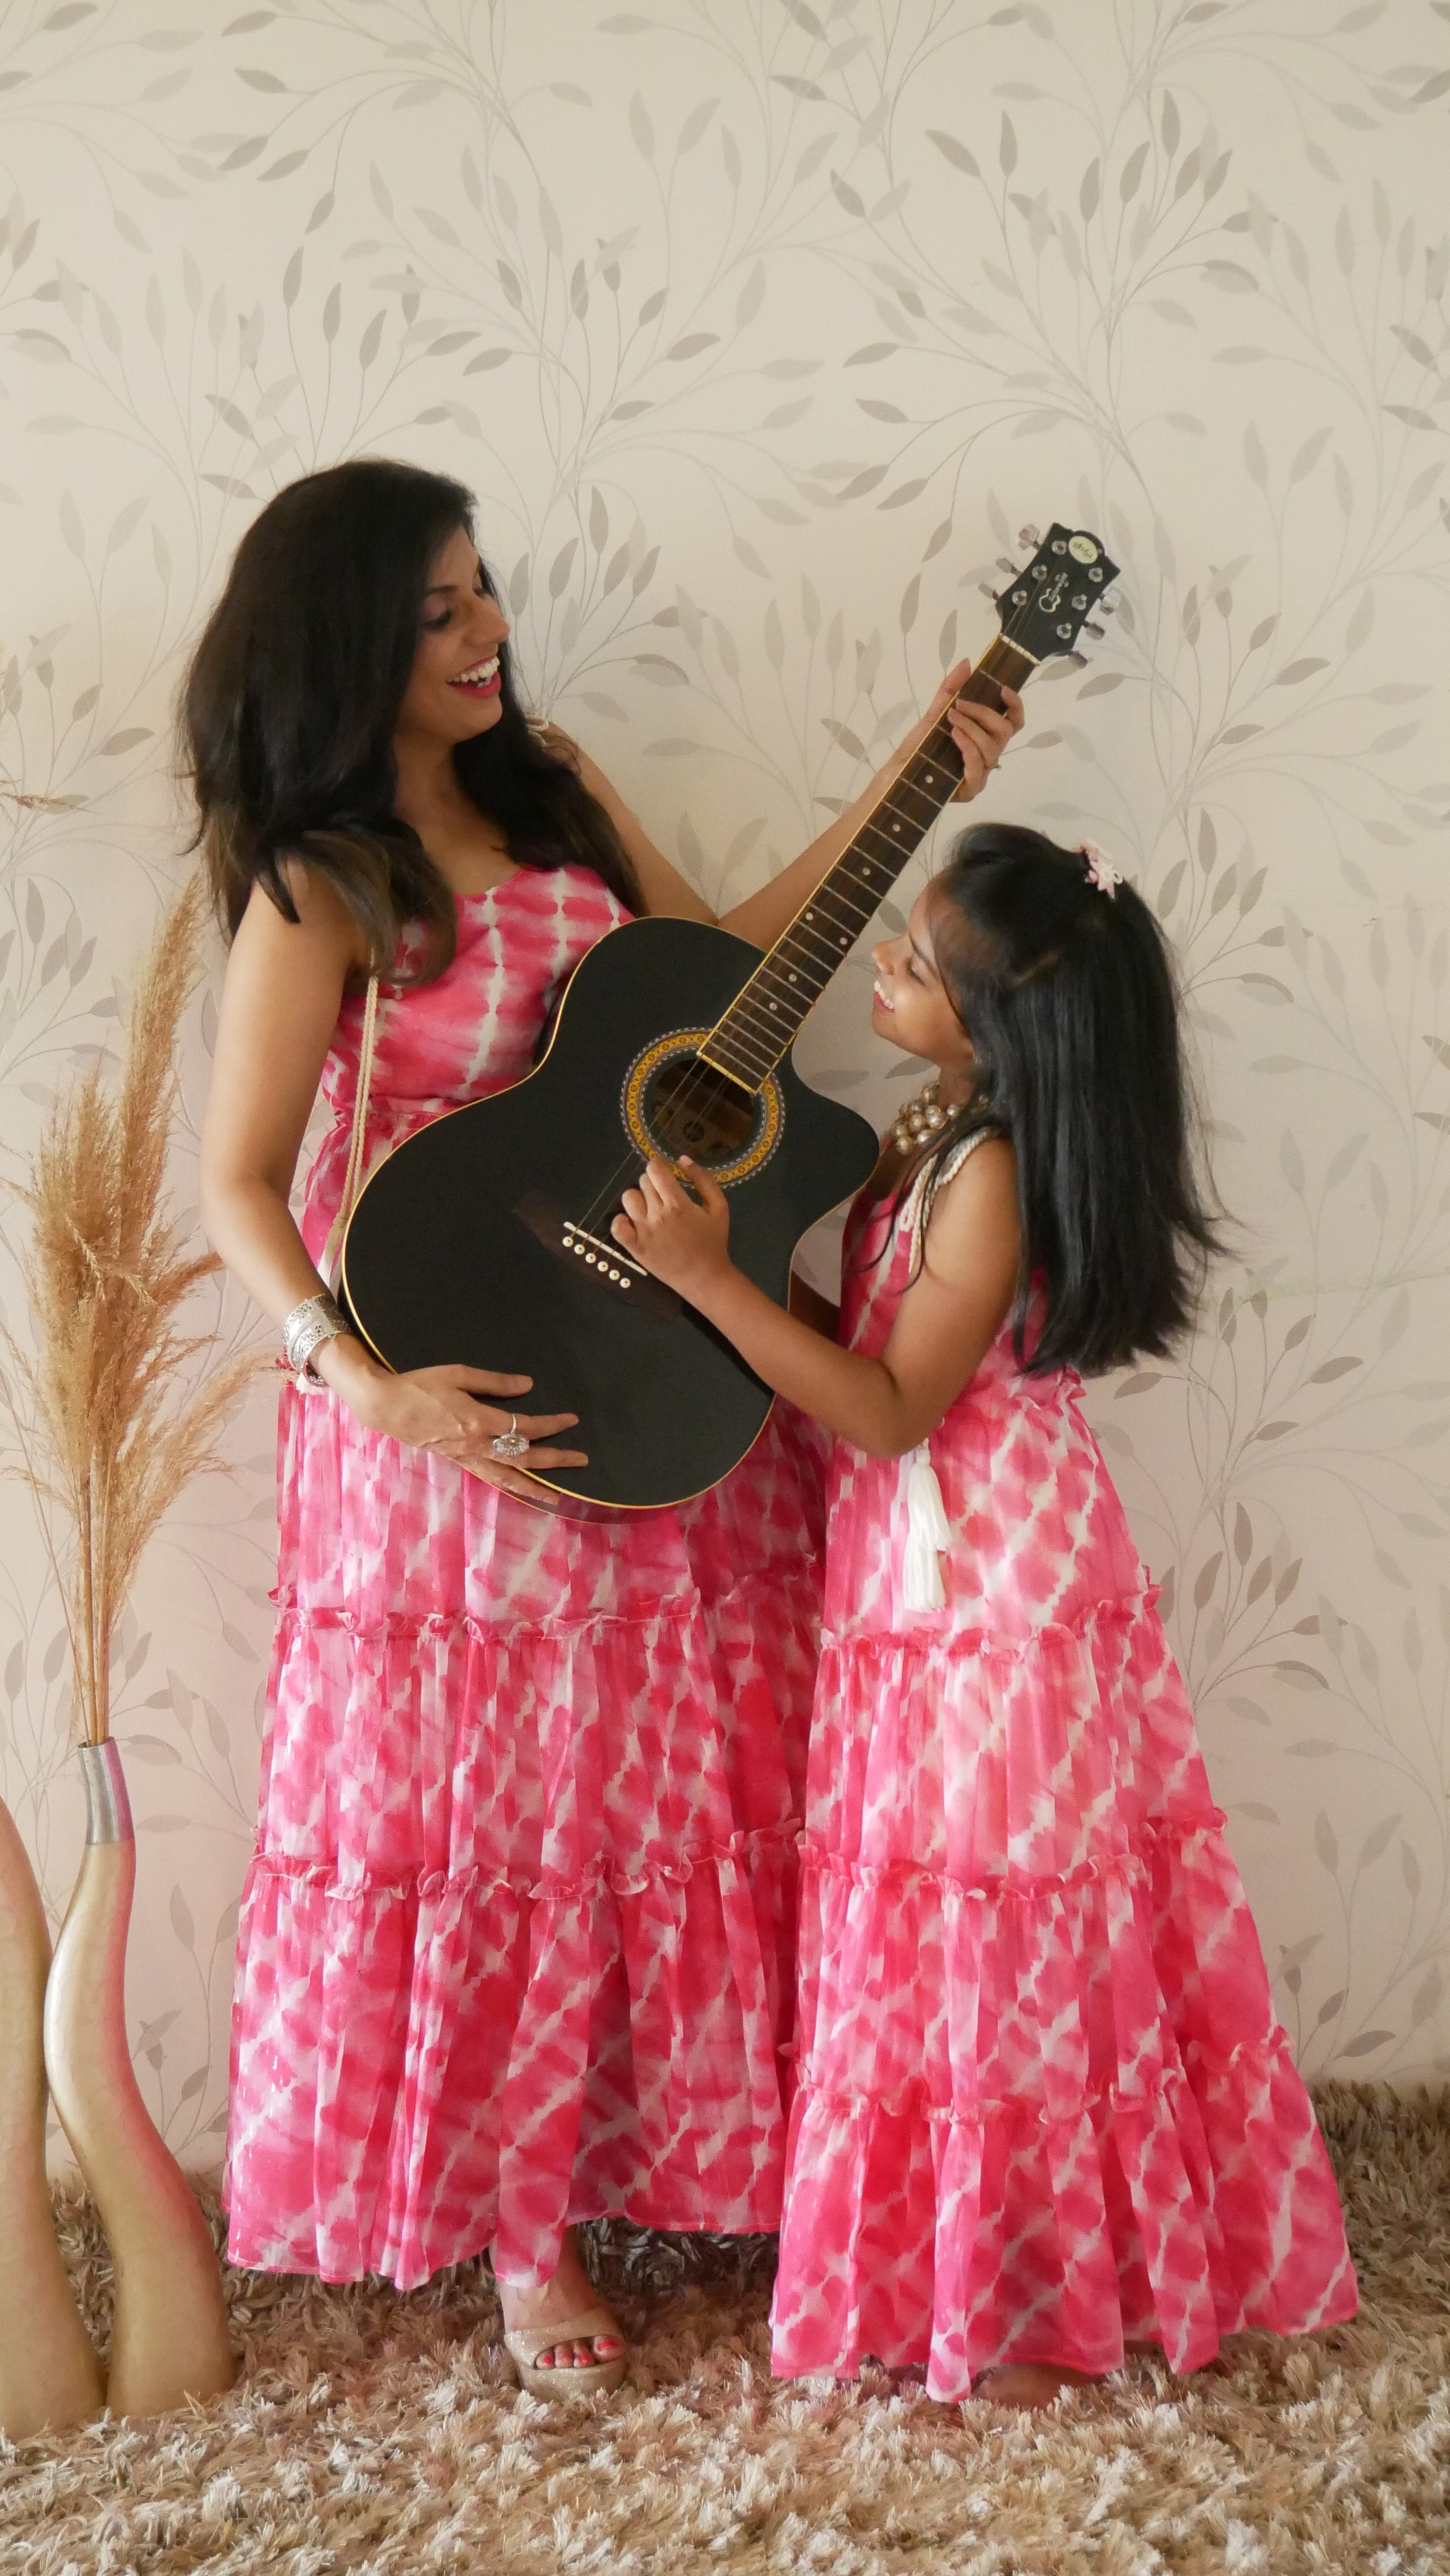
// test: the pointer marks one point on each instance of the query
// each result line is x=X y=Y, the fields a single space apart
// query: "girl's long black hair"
x=289 y=706
x=1068 y=996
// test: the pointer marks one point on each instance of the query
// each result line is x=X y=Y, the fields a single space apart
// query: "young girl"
x=1044 y=2105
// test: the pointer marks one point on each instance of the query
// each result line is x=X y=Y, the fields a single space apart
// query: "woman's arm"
x=980 y=733
x=284 y=988
x=948 y=1317
x=981 y=736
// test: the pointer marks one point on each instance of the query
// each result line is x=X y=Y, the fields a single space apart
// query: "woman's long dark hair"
x=1068 y=996
x=289 y=707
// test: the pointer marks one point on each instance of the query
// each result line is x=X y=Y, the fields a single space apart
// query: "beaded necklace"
x=920 y=1118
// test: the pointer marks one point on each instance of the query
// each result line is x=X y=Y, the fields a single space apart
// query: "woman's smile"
x=480 y=680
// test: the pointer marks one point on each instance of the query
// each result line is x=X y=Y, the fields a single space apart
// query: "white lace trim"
x=927 y=1529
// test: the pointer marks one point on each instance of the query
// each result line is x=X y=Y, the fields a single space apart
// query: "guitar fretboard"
x=766 y=1015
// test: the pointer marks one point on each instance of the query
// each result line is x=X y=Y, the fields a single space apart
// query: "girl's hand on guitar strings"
x=981 y=733
x=439 y=1409
x=684 y=1241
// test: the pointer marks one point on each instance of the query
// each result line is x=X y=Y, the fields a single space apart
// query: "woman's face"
x=911 y=1004
x=454 y=690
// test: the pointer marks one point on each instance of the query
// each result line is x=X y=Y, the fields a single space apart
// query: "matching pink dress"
x=1044 y=2104
x=517 y=1941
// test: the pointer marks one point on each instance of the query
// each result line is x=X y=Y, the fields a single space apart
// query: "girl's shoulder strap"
x=920 y=1199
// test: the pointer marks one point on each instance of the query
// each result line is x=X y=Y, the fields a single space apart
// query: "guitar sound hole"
x=691 y=1109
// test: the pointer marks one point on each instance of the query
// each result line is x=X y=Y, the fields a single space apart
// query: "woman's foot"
x=1030 y=2385
x=568 y=2294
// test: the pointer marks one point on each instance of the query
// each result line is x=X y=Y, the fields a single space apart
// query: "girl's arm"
x=284 y=987
x=980 y=733
x=950 y=1314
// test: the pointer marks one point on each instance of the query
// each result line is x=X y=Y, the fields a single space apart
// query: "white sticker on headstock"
x=1082 y=550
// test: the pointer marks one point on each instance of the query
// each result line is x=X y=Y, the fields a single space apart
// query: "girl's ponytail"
x=1061 y=977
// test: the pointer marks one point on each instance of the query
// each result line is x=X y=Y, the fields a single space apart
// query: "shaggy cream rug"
x=373 y=2433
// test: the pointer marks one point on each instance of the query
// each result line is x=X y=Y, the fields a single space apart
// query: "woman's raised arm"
x=981 y=735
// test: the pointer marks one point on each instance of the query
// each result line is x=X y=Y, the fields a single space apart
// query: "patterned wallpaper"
x=759 y=328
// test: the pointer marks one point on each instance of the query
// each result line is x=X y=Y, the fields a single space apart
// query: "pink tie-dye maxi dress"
x=516 y=1944
x=1044 y=2103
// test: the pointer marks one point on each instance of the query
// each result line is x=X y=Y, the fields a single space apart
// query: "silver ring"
x=511 y=1443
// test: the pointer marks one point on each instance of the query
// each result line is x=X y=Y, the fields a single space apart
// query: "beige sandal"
x=594 y=2380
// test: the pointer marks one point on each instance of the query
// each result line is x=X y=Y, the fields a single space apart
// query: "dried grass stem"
x=110 y=1438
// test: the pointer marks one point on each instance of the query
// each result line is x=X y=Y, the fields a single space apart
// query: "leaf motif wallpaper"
x=759 y=329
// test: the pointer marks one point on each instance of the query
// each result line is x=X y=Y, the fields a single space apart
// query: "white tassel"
x=927 y=1531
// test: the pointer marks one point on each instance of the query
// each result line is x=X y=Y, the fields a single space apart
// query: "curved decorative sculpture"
x=49 y=2374
x=111 y=1424
x=169 y=2340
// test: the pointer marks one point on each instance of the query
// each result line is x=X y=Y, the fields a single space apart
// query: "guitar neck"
x=748 y=1042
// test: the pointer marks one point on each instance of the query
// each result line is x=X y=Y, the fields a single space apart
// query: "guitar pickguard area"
x=673 y=1103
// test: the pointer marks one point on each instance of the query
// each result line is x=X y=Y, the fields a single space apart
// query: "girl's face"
x=912 y=1006
x=454 y=689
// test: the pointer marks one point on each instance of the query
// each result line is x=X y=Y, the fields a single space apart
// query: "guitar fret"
x=739 y=1029
x=761 y=1011
x=892 y=863
x=768 y=979
x=830 y=900
x=854 y=915
x=807 y=964
x=801 y=935
x=778 y=1013
x=875 y=892
x=902 y=835
x=770 y=1027
x=907 y=791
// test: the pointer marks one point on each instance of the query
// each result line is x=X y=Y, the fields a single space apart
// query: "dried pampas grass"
x=108 y=1436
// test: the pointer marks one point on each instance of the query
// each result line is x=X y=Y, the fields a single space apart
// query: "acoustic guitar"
x=485 y=1237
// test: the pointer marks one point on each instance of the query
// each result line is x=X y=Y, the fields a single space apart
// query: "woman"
x=515 y=1945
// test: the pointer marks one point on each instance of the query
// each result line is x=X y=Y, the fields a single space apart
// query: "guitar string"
x=697 y=1092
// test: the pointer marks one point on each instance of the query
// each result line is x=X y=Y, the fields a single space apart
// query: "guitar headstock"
x=1046 y=605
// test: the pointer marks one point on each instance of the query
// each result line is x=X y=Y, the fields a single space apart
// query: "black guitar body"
x=486 y=1237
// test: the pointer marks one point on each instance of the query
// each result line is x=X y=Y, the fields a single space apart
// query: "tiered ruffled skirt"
x=1044 y=2103
x=517 y=1943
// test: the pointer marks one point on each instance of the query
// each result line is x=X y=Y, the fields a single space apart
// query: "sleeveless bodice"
x=472 y=1032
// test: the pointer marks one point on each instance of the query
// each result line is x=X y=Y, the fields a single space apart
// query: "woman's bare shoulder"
x=325 y=934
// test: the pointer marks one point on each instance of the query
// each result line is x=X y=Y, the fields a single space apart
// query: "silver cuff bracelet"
x=318 y=1319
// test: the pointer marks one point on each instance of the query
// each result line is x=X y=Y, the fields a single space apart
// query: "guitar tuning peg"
x=1106 y=607
x=1006 y=565
x=1029 y=536
x=987 y=592
x=1090 y=629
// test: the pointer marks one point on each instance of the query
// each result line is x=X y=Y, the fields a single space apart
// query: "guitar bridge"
x=606 y=1263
